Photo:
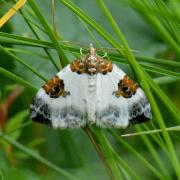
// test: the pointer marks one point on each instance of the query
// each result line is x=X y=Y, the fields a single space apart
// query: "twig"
x=53 y=18
x=99 y=151
x=4 y=107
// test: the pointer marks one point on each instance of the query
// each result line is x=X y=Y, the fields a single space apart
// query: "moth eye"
x=56 y=88
x=79 y=72
x=125 y=88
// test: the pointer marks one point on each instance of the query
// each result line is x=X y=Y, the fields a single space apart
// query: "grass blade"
x=11 y=12
x=50 y=33
x=17 y=79
x=109 y=154
x=174 y=128
x=99 y=151
x=38 y=157
x=140 y=157
x=126 y=167
x=1 y=175
x=5 y=37
x=22 y=62
x=165 y=100
x=156 y=23
x=37 y=36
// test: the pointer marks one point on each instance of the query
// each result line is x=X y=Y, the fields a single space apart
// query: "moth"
x=91 y=90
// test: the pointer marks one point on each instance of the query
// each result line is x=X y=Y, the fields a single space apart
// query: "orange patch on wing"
x=105 y=67
x=77 y=66
x=126 y=87
x=55 y=88
x=82 y=67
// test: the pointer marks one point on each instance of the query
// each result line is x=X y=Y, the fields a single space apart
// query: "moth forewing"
x=64 y=112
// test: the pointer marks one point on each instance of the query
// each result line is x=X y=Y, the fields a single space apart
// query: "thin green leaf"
x=28 y=52
x=14 y=122
x=1 y=174
x=22 y=62
x=38 y=157
x=17 y=79
x=166 y=101
x=16 y=128
x=139 y=156
x=50 y=33
x=174 y=128
x=156 y=23
x=155 y=155
x=37 y=36
x=126 y=167
x=108 y=152
x=165 y=80
x=161 y=71
x=15 y=39
x=11 y=38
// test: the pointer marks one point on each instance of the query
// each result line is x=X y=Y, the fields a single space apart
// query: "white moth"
x=90 y=90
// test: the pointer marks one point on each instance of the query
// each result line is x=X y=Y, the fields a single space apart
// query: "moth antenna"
x=91 y=45
x=105 y=54
x=80 y=50
x=82 y=55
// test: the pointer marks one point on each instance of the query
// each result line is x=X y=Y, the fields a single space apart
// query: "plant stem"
x=1 y=175
x=99 y=151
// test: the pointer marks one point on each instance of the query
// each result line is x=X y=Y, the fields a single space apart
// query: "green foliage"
x=144 y=36
x=15 y=121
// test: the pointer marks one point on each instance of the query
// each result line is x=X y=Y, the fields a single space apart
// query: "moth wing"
x=113 y=111
x=62 y=112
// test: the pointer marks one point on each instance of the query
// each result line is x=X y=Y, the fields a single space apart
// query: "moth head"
x=92 y=60
x=92 y=50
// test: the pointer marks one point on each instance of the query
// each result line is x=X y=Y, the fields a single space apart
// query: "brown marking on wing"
x=77 y=66
x=55 y=88
x=81 y=67
x=126 y=87
x=105 y=67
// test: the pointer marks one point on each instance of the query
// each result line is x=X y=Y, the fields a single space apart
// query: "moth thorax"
x=92 y=51
x=91 y=62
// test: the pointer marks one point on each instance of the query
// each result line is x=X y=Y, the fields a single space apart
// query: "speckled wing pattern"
x=62 y=112
x=78 y=99
x=119 y=111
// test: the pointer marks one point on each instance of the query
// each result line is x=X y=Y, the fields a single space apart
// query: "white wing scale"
x=63 y=112
x=112 y=111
